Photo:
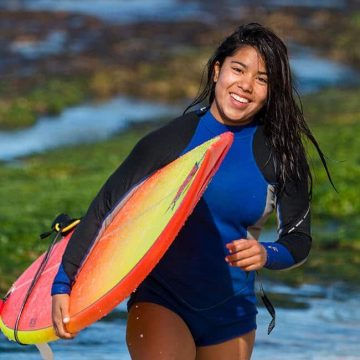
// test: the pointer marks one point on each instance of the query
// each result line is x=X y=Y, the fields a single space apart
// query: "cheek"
x=219 y=89
x=224 y=81
x=263 y=95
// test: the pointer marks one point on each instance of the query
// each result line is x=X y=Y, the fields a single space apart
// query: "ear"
x=216 y=71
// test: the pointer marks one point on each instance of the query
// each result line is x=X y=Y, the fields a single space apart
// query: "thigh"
x=236 y=349
x=155 y=332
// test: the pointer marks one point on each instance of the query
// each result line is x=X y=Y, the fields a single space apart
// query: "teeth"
x=239 y=98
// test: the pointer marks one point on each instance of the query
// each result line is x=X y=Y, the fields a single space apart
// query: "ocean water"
x=325 y=327
x=136 y=10
x=80 y=124
x=116 y=10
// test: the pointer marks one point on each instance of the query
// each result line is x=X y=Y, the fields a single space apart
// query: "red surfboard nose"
x=1 y=305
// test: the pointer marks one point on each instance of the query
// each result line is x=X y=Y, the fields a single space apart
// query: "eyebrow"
x=245 y=66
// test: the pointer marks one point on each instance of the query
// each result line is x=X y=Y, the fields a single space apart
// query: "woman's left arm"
x=293 y=245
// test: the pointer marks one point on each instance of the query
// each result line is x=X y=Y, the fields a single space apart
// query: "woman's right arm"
x=60 y=315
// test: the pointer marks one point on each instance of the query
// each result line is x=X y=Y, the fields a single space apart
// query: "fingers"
x=249 y=255
x=60 y=315
x=249 y=264
x=242 y=244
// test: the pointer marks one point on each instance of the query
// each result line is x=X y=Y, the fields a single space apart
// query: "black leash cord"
x=32 y=285
x=269 y=306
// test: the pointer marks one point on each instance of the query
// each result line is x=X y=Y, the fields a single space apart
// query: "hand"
x=60 y=315
x=248 y=254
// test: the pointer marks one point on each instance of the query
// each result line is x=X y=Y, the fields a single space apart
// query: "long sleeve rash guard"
x=235 y=205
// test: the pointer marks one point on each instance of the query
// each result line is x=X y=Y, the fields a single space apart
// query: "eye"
x=262 y=79
x=237 y=69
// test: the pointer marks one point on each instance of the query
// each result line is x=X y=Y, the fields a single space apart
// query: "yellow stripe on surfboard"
x=30 y=337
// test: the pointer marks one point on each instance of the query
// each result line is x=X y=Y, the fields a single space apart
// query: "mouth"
x=239 y=98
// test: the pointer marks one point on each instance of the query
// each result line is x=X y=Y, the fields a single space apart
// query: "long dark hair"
x=281 y=116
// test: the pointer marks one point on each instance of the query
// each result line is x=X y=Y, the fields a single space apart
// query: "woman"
x=199 y=301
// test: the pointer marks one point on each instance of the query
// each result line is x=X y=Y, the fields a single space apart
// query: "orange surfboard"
x=132 y=240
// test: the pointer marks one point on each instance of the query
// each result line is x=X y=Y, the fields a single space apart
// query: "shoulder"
x=167 y=142
x=178 y=128
x=269 y=162
x=263 y=155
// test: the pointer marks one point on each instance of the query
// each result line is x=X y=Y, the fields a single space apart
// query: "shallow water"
x=116 y=10
x=80 y=124
x=312 y=72
x=326 y=327
x=142 y=10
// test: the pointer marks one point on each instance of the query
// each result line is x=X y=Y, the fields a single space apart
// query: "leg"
x=155 y=332
x=235 y=349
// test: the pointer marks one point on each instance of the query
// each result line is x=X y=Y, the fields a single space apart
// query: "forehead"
x=248 y=56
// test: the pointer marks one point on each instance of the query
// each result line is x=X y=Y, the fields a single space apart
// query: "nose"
x=245 y=83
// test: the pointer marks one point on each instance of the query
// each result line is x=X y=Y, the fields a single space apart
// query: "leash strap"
x=269 y=306
x=62 y=224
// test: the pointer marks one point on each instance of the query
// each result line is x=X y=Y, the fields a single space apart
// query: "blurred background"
x=81 y=81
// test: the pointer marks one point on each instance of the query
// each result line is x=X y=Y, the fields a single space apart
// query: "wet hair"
x=281 y=116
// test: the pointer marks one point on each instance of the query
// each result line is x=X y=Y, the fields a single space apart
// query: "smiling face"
x=241 y=87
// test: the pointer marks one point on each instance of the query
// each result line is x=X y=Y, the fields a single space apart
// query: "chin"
x=236 y=120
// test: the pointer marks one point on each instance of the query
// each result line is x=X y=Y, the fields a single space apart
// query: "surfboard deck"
x=132 y=240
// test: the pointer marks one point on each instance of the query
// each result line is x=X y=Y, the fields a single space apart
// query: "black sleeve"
x=150 y=154
x=293 y=210
x=292 y=204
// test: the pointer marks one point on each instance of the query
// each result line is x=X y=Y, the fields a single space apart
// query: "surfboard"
x=132 y=240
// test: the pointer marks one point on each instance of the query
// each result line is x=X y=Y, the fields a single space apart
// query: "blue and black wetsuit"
x=216 y=301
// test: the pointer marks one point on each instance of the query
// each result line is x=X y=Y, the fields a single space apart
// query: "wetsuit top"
x=235 y=205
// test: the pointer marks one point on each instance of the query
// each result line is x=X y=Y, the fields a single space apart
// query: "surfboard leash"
x=269 y=306
x=62 y=225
